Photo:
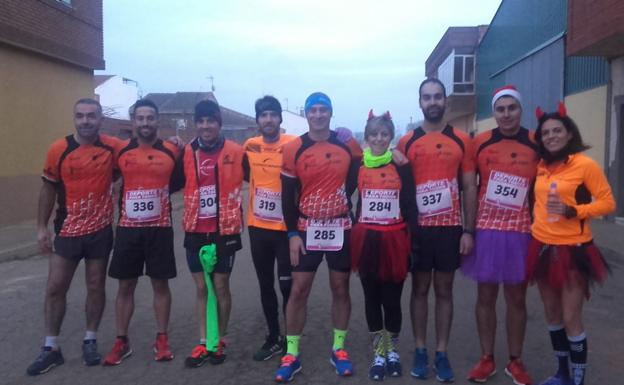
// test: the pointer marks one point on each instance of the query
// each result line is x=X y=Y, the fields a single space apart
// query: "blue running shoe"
x=47 y=359
x=377 y=371
x=340 y=361
x=442 y=366
x=393 y=364
x=557 y=379
x=420 y=369
x=288 y=368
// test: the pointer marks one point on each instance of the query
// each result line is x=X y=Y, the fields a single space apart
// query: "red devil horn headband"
x=539 y=113
x=370 y=115
x=387 y=115
x=561 y=109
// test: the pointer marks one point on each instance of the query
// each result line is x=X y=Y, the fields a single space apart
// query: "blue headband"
x=318 y=98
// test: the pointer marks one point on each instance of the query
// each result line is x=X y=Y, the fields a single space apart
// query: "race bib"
x=434 y=197
x=507 y=190
x=380 y=206
x=207 y=202
x=325 y=235
x=143 y=205
x=267 y=205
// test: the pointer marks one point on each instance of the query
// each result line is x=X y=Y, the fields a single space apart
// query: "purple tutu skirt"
x=497 y=257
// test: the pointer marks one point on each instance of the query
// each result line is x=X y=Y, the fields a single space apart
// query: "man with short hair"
x=506 y=159
x=267 y=230
x=317 y=181
x=144 y=236
x=444 y=173
x=78 y=173
x=212 y=174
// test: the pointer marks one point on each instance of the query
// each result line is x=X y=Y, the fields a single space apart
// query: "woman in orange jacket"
x=570 y=189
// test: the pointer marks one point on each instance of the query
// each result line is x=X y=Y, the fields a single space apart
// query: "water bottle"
x=553 y=196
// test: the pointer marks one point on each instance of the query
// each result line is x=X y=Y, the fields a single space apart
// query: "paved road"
x=21 y=290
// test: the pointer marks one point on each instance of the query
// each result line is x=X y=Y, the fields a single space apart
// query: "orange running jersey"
x=321 y=168
x=438 y=159
x=146 y=172
x=507 y=167
x=379 y=191
x=578 y=179
x=82 y=175
x=265 y=186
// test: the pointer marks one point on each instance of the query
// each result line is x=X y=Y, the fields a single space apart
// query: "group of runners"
x=510 y=207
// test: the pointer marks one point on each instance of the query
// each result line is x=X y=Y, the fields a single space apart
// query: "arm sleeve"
x=597 y=184
x=290 y=210
x=246 y=168
x=407 y=197
x=177 y=177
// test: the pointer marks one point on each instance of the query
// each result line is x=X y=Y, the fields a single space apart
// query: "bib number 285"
x=325 y=234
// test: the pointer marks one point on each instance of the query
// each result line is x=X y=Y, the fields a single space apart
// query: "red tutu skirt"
x=381 y=251
x=558 y=264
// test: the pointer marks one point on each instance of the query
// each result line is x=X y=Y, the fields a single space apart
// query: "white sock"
x=50 y=341
x=90 y=335
x=202 y=341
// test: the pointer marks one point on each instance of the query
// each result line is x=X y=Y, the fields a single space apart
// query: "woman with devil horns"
x=570 y=189
x=380 y=240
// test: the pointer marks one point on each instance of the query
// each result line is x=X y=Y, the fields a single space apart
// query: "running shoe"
x=483 y=370
x=121 y=350
x=442 y=367
x=218 y=357
x=377 y=371
x=47 y=359
x=393 y=364
x=420 y=368
x=516 y=370
x=271 y=347
x=289 y=366
x=340 y=360
x=198 y=357
x=557 y=379
x=90 y=354
x=162 y=351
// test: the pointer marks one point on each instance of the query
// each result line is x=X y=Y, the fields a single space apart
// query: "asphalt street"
x=22 y=289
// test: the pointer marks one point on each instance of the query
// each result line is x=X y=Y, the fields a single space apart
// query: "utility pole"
x=211 y=78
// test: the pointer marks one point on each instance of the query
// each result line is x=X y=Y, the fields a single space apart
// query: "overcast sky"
x=363 y=53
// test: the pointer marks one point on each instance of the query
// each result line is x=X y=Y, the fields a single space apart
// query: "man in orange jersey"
x=144 y=236
x=506 y=159
x=213 y=176
x=444 y=173
x=267 y=230
x=78 y=173
x=318 y=177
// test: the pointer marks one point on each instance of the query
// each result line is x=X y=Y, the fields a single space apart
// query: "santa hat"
x=507 y=90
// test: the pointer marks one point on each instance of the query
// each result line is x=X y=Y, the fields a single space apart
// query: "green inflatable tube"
x=208 y=259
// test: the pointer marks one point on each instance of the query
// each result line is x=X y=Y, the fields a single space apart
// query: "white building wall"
x=116 y=96
x=294 y=124
x=446 y=71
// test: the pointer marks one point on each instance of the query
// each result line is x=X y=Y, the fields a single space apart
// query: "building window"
x=457 y=73
x=463 y=74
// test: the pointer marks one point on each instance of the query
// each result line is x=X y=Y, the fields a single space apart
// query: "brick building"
x=48 y=51
x=596 y=28
x=176 y=116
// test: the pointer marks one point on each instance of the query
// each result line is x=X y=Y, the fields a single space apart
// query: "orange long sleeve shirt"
x=578 y=179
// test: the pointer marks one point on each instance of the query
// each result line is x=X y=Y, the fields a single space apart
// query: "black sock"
x=578 y=358
x=560 y=345
x=123 y=338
